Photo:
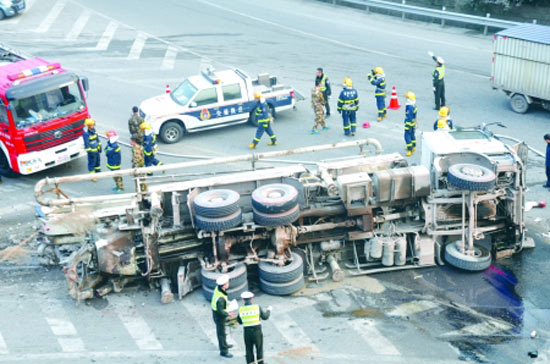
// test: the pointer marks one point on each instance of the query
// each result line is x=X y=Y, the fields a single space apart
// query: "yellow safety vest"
x=217 y=295
x=441 y=70
x=323 y=83
x=250 y=315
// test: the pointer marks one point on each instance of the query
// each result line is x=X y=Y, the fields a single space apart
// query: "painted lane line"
x=3 y=347
x=374 y=338
x=107 y=36
x=169 y=58
x=137 y=46
x=411 y=308
x=51 y=17
x=61 y=327
x=78 y=26
x=291 y=331
x=486 y=328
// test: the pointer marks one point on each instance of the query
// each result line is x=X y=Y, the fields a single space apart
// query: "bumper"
x=37 y=161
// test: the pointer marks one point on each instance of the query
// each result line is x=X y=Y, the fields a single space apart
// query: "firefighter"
x=250 y=315
x=322 y=82
x=112 y=151
x=410 y=122
x=377 y=78
x=318 y=103
x=219 y=304
x=438 y=81
x=443 y=122
x=93 y=146
x=150 y=147
x=264 y=122
x=348 y=104
x=136 y=138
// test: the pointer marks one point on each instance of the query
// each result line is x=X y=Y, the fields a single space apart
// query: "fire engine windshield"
x=46 y=106
x=184 y=92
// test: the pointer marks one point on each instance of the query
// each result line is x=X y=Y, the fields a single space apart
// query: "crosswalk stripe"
x=292 y=333
x=3 y=346
x=78 y=25
x=62 y=328
x=411 y=308
x=169 y=58
x=107 y=36
x=374 y=338
x=51 y=17
x=137 y=46
x=135 y=324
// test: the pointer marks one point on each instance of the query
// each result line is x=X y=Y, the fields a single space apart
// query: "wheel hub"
x=275 y=194
x=472 y=171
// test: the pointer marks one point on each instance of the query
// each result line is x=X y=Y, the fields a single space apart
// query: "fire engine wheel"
x=278 y=219
x=480 y=261
x=282 y=289
x=5 y=169
x=273 y=273
x=471 y=177
x=219 y=223
x=171 y=132
x=232 y=293
x=277 y=197
x=237 y=276
x=216 y=203
x=519 y=103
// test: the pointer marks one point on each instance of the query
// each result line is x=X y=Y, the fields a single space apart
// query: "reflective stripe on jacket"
x=410 y=116
x=113 y=155
x=91 y=141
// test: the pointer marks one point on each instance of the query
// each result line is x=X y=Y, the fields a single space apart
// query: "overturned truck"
x=463 y=205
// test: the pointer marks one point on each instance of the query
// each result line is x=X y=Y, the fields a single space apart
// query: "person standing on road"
x=322 y=82
x=150 y=147
x=377 y=78
x=136 y=138
x=547 y=140
x=410 y=122
x=114 y=159
x=438 y=81
x=318 y=103
x=348 y=104
x=219 y=304
x=443 y=122
x=93 y=146
x=250 y=315
x=264 y=122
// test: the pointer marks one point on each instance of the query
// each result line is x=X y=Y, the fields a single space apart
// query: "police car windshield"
x=183 y=93
x=47 y=105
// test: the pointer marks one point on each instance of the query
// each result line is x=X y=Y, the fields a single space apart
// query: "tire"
x=171 y=132
x=275 y=274
x=519 y=103
x=232 y=293
x=219 y=223
x=276 y=197
x=5 y=169
x=477 y=263
x=471 y=177
x=216 y=203
x=278 y=219
x=282 y=289
x=237 y=276
x=2 y=15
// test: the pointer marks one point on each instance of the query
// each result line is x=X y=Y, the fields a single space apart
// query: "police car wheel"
x=219 y=223
x=216 y=203
x=273 y=198
x=232 y=293
x=479 y=261
x=281 y=274
x=471 y=177
x=237 y=276
x=171 y=132
x=277 y=219
x=282 y=289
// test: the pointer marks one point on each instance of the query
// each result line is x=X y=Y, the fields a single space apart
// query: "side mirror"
x=193 y=104
x=85 y=83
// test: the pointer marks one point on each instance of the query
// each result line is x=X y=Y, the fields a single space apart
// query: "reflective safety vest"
x=323 y=83
x=217 y=295
x=250 y=315
x=440 y=72
x=443 y=124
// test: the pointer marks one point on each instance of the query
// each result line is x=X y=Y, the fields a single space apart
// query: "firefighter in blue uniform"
x=150 y=147
x=93 y=146
x=264 y=122
x=114 y=159
x=410 y=122
x=250 y=315
x=348 y=104
x=378 y=79
x=443 y=122
x=438 y=76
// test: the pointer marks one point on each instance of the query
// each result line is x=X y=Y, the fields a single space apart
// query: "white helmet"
x=246 y=295
x=440 y=60
x=222 y=280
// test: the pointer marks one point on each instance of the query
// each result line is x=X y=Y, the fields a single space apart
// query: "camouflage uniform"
x=136 y=134
x=318 y=103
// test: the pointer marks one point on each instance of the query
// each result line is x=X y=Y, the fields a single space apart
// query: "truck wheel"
x=216 y=203
x=171 y=132
x=5 y=169
x=219 y=223
x=282 y=274
x=237 y=276
x=474 y=263
x=471 y=177
x=282 y=289
x=278 y=219
x=232 y=293
x=519 y=103
x=276 y=197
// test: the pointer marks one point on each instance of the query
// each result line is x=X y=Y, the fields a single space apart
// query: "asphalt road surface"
x=130 y=50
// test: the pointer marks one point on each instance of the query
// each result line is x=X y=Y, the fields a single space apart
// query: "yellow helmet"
x=410 y=95
x=89 y=122
x=348 y=82
x=145 y=126
x=378 y=70
x=257 y=95
x=444 y=111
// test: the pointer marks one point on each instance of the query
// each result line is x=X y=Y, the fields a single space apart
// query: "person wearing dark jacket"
x=219 y=304
x=438 y=80
x=114 y=159
x=322 y=82
x=250 y=315
x=547 y=140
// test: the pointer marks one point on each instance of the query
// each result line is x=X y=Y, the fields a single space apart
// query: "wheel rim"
x=172 y=134
x=519 y=103
x=472 y=171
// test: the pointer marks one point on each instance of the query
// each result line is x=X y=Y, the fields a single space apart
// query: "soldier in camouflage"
x=136 y=136
x=318 y=103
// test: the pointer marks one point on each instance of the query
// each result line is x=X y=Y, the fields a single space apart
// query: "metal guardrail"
x=404 y=9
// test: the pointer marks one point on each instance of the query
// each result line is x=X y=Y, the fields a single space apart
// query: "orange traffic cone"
x=168 y=89
x=394 y=102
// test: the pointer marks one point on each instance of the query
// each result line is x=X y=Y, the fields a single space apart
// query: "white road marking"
x=377 y=342
x=78 y=26
x=169 y=58
x=137 y=46
x=107 y=36
x=51 y=17
x=3 y=347
x=411 y=308
x=61 y=327
x=486 y=328
x=292 y=333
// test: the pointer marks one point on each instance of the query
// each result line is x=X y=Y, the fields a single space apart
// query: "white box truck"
x=521 y=65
